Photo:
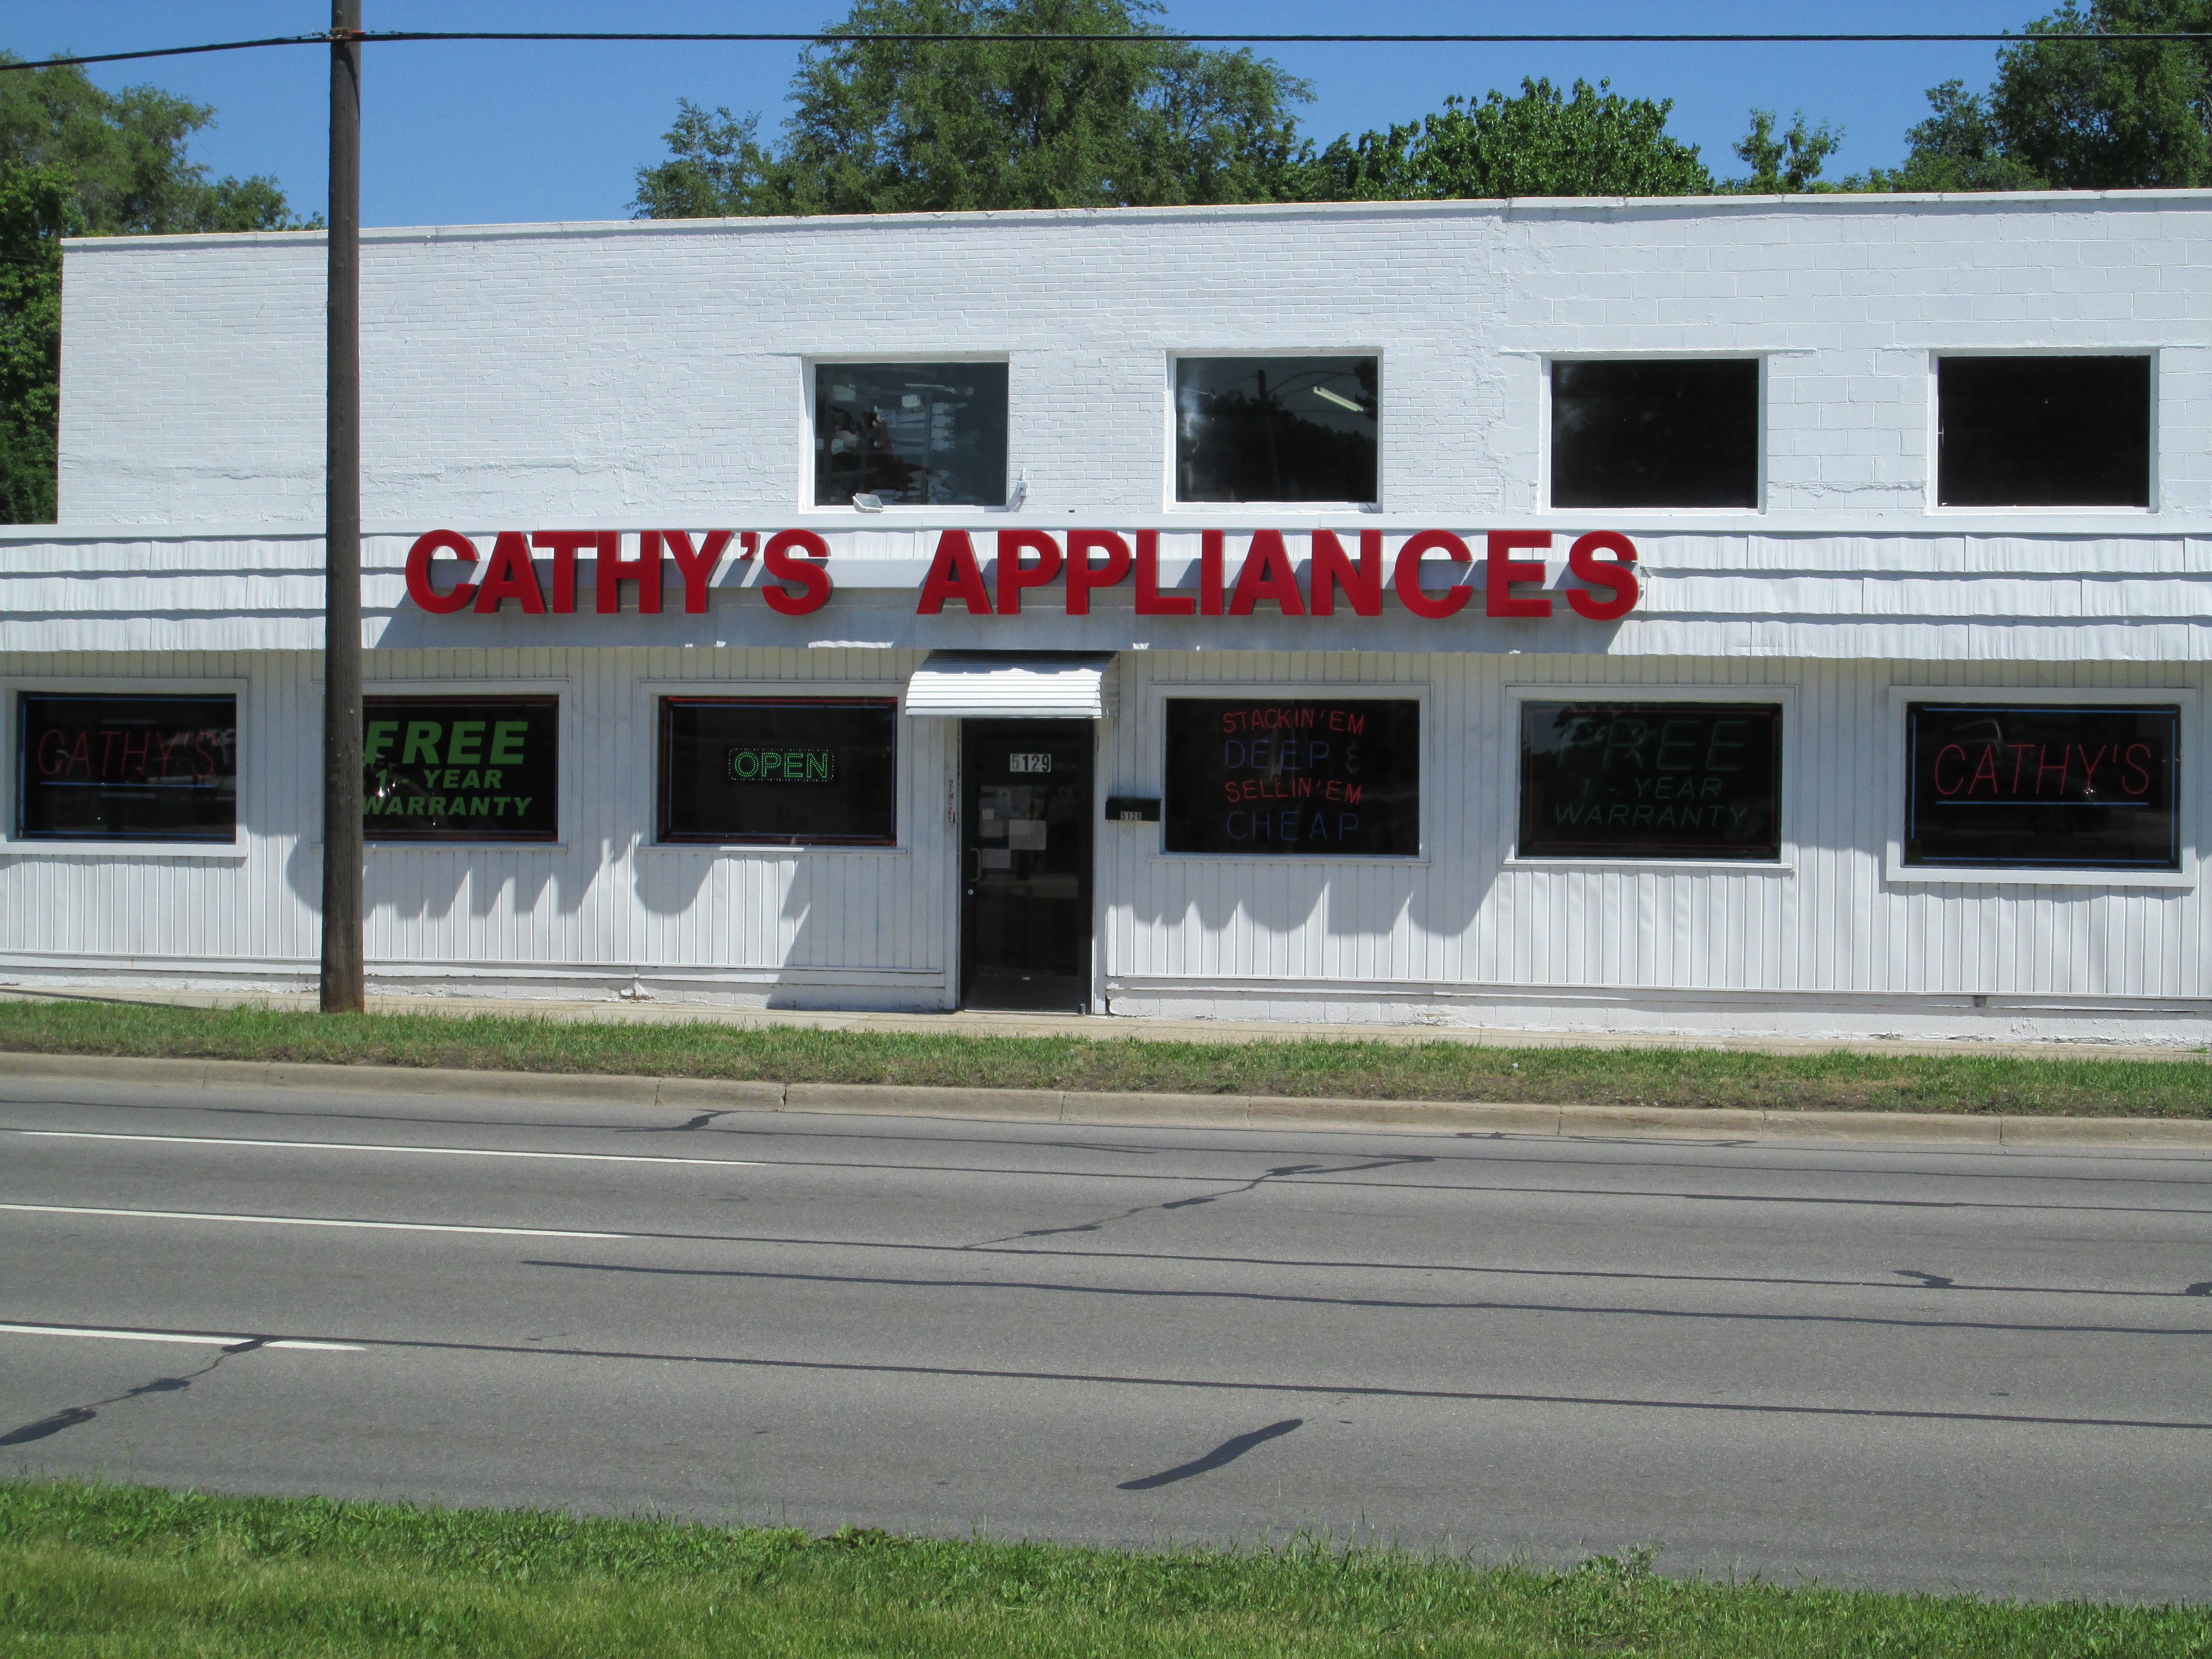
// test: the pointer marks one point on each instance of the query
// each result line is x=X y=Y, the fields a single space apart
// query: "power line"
x=172 y=52
x=837 y=39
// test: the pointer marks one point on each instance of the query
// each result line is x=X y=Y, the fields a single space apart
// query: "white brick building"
x=1918 y=492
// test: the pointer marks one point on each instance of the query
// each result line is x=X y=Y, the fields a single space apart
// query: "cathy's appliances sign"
x=1262 y=577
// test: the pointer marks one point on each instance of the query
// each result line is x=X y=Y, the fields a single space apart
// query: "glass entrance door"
x=1025 y=865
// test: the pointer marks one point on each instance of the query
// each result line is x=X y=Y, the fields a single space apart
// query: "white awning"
x=1037 y=685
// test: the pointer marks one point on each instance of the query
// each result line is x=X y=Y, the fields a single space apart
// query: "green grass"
x=127 y=1570
x=1375 y=1071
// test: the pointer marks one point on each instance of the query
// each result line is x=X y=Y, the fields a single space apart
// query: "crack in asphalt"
x=1278 y=1172
x=1400 y=1304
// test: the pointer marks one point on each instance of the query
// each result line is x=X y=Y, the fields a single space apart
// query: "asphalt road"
x=1889 y=1366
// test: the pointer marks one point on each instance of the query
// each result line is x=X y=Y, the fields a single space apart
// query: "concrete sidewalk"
x=1105 y=1027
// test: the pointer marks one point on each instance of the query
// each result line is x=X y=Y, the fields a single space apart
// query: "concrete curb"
x=1187 y=1111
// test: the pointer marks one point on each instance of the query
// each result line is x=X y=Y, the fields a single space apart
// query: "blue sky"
x=456 y=134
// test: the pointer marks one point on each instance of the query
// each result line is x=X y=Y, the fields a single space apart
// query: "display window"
x=2043 y=431
x=909 y=435
x=1322 y=776
x=1648 y=780
x=461 y=768
x=1277 y=428
x=783 y=771
x=1657 y=433
x=2043 y=785
x=126 y=766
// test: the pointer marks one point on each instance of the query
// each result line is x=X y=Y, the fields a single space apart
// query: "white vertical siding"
x=1829 y=921
x=605 y=906
x=862 y=926
x=257 y=907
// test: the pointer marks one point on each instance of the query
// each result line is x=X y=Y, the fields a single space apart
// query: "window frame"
x=658 y=694
x=565 y=737
x=1612 y=515
x=1789 y=781
x=245 y=809
x=1897 y=759
x=1171 y=502
x=1934 y=456
x=1155 y=764
x=810 y=363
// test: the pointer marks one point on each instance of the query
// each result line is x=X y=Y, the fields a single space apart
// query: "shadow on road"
x=1227 y=1452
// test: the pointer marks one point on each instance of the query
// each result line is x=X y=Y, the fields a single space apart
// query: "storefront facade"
x=1710 y=616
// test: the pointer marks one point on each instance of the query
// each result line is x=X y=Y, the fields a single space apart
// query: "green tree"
x=1789 y=165
x=1959 y=147
x=1542 y=143
x=76 y=160
x=37 y=207
x=2115 y=114
x=126 y=153
x=881 y=126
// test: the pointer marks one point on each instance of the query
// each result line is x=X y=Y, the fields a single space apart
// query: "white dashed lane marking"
x=198 y=1338
x=304 y=1221
x=420 y=1151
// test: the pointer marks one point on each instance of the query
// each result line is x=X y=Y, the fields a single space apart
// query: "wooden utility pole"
x=344 y=984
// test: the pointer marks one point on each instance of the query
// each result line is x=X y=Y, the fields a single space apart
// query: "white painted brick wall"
x=536 y=373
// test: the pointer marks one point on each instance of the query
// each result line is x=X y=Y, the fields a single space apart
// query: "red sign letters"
x=1085 y=562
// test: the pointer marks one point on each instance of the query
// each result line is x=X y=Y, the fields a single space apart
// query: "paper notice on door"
x=990 y=828
x=994 y=858
x=1026 y=834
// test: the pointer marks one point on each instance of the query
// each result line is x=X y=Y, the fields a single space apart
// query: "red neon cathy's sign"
x=1083 y=561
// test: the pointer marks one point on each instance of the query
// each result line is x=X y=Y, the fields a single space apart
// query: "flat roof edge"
x=1501 y=208
x=2084 y=525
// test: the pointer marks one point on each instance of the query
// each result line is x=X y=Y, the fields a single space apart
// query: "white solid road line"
x=200 y=1338
x=427 y=1152
x=306 y=1221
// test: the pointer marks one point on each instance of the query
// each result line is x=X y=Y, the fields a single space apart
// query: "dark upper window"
x=911 y=435
x=794 y=771
x=1276 y=428
x=1655 y=434
x=2043 y=431
x=99 y=768
x=461 y=768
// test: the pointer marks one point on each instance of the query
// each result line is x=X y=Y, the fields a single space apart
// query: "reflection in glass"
x=910 y=435
x=1276 y=428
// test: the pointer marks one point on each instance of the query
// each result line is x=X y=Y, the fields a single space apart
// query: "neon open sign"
x=749 y=765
